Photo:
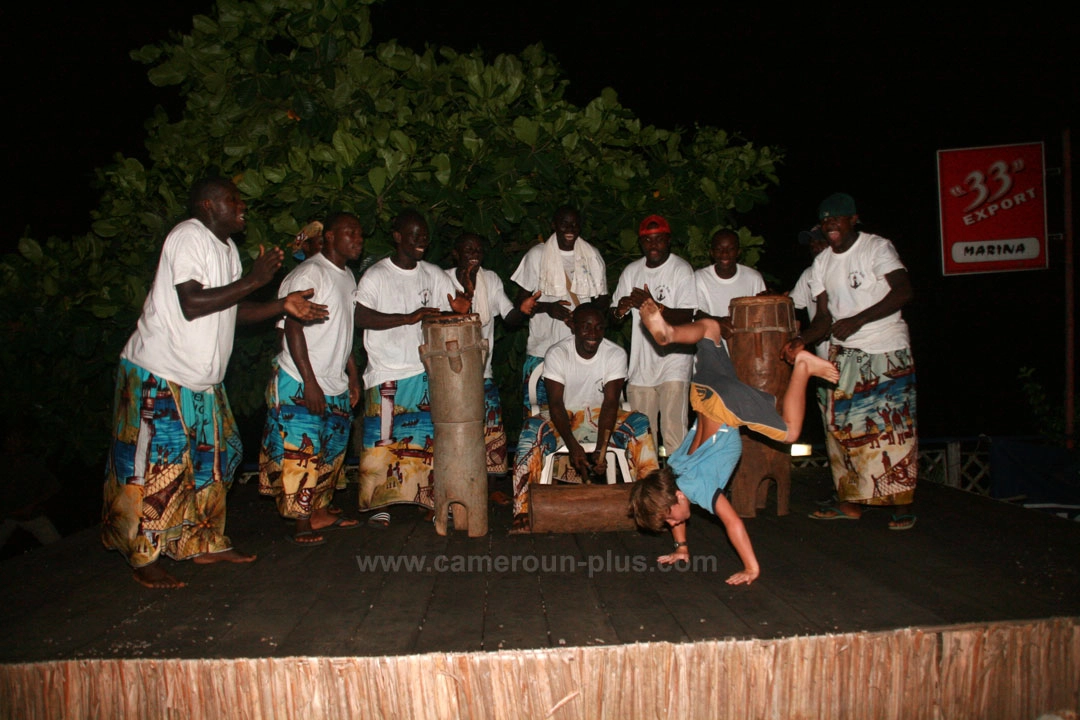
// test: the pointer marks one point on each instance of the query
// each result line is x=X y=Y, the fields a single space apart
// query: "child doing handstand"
x=700 y=469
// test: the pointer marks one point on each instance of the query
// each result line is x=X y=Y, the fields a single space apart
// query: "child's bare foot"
x=744 y=578
x=818 y=367
x=654 y=321
x=229 y=556
x=154 y=577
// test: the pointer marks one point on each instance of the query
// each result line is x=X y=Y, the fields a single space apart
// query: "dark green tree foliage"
x=290 y=99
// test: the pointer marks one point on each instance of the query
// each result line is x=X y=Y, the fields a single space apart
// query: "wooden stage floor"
x=969 y=560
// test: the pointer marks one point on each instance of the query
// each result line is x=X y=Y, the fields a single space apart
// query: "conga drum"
x=454 y=354
x=762 y=325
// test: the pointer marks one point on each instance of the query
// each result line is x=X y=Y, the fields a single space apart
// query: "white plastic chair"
x=616 y=456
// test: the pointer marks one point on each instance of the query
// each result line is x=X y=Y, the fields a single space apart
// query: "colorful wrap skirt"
x=494 y=432
x=531 y=361
x=871 y=431
x=399 y=443
x=539 y=439
x=302 y=455
x=171 y=462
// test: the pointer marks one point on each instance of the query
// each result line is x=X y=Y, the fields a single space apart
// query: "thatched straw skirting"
x=1004 y=670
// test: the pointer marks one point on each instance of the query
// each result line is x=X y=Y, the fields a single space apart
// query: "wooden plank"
x=686 y=595
x=455 y=618
x=634 y=608
x=574 y=611
x=400 y=605
x=828 y=590
x=757 y=605
x=514 y=616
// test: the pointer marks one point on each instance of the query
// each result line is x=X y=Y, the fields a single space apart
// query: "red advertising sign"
x=993 y=209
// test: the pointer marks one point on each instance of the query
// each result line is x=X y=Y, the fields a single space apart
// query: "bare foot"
x=743 y=578
x=154 y=576
x=229 y=556
x=654 y=321
x=818 y=367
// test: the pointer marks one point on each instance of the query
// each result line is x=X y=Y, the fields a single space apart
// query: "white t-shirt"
x=498 y=302
x=855 y=280
x=583 y=380
x=329 y=343
x=544 y=330
x=714 y=293
x=193 y=353
x=671 y=284
x=800 y=294
x=801 y=297
x=394 y=354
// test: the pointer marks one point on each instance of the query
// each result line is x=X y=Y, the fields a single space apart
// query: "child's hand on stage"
x=744 y=578
x=681 y=554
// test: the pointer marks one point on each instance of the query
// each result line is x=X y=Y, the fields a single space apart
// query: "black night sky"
x=859 y=99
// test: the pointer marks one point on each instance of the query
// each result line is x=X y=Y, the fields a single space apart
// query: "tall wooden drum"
x=762 y=325
x=454 y=354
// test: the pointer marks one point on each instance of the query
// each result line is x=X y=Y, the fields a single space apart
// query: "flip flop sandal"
x=380 y=520
x=449 y=514
x=838 y=514
x=906 y=522
x=331 y=509
x=339 y=523
x=295 y=539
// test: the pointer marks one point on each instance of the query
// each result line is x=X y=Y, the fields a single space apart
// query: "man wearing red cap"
x=659 y=377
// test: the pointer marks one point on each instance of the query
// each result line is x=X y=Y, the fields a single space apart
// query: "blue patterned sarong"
x=302 y=454
x=171 y=462
x=399 y=443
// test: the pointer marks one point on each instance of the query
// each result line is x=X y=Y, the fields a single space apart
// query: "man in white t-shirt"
x=567 y=272
x=725 y=280
x=659 y=377
x=800 y=294
x=313 y=389
x=392 y=297
x=803 y=299
x=489 y=300
x=860 y=286
x=175 y=445
x=585 y=375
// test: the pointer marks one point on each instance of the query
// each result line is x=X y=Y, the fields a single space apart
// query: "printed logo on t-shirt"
x=855 y=279
x=425 y=297
x=600 y=386
x=660 y=293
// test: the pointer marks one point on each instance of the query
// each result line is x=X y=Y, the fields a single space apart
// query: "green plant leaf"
x=30 y=250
